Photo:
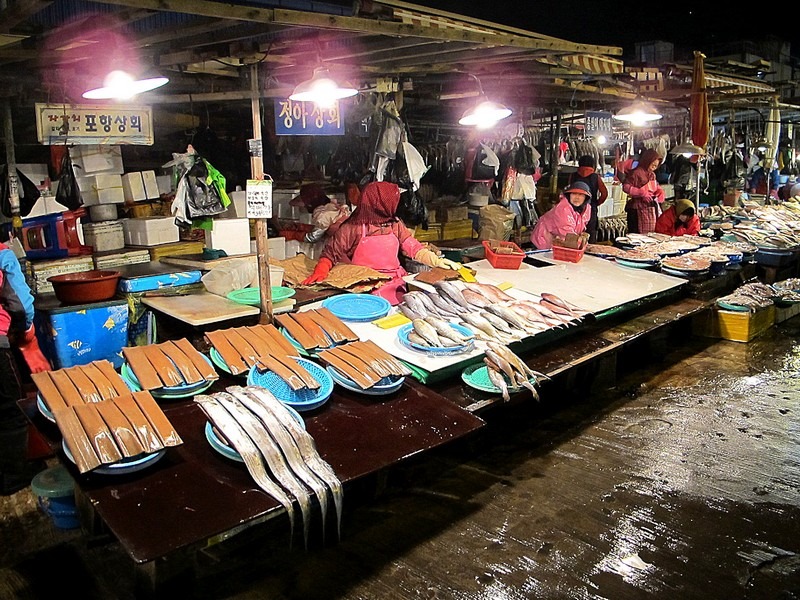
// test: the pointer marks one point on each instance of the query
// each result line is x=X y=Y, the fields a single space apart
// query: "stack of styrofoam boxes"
x=276 y=245
x=150 y=231
x=38 y=272
x=281 y=209
x=139 y=185
x=230 y=235
x=98 y=170
x=104 y=235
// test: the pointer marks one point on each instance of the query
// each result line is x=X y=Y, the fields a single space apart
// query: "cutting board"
x=202 y=308
x=197 y=261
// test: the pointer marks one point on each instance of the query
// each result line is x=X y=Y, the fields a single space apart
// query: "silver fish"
x=501 y=364
x=482 y=324
x=427 y=332
x=276 y=461
x=408 y=312
x=289 y=448
x=520 y=380
x=517 y=362
x=445 y=329
x=250 y=454
x=425 y=300
x=568 y=305
x=508 y=315
x=452 y=292
x=413 y=302
x=499 y=323
x=306 y=446
x=447 y=308
x=497 y=379
x=417 y=339
x=492 y=292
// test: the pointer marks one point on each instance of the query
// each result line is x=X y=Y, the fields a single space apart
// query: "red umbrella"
x=701 y=122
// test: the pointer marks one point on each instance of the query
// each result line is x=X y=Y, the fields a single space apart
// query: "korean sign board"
x=598 y=123
x=258 y=199
x=306 y=118
x=88 y=124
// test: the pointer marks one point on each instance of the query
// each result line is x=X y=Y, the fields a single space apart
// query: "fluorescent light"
x=119 y=85
x=638 y=113
x=321 y=89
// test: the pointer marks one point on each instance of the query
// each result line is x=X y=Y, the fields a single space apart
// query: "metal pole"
x=11 y=168
x=257 y=172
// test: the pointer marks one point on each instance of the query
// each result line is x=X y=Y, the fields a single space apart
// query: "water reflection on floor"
x=680 y=482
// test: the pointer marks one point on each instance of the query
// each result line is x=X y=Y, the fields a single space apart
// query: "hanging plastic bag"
x=27 y=192
x=68 y=193
x=412 y=210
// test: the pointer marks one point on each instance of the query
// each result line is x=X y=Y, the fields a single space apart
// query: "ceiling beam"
x=19 y=12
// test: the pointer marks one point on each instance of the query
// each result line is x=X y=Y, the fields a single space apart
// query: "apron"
x=379 y=252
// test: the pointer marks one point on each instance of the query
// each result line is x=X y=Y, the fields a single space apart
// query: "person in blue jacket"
x=16 y=330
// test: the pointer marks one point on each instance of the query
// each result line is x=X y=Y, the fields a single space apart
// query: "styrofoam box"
x=104 y=235
x=230 y=235
x=41 y=270
x=237 y=209
x=94 y=158
x=105 y=188
x=164 y=184
x=133 y=187
x=277 y=247
x=150 y=231
x=150 y=185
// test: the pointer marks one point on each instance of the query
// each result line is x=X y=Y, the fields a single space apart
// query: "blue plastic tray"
x=300 y=400
x=387 y=385
x=404 y=330
x=124 y=466
x=358 y=307
x=221 y=445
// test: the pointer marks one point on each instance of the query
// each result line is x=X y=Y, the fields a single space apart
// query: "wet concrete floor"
x=681 y=481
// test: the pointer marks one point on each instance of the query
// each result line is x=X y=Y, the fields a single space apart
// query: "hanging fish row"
x=278 y=452
x=487 y=311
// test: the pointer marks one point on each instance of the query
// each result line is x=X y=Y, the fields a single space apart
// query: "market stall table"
x=193 y=493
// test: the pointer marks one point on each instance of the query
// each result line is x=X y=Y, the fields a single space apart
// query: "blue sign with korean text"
x=307 y=118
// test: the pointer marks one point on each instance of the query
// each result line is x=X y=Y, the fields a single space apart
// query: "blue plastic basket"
x=301 y=400
x=387 y=385
x=358 y=307
x=403 y=332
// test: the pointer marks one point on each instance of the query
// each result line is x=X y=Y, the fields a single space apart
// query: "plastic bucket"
x=55 y=492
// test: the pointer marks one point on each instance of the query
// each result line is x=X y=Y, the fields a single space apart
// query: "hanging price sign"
x=258 y=197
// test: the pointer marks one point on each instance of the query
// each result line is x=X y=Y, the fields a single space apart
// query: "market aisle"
x=679 y=483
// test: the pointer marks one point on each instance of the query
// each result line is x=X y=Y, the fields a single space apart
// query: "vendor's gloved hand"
x=321 y=271
x=29 y=347
x=446 y=263
x=430 y=258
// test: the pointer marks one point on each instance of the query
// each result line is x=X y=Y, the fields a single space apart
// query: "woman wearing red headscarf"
x=373 y=237
x=644 y=193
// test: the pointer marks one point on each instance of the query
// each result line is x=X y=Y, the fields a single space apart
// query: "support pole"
x=257 y=172
x=11 y=170
x=555 y=143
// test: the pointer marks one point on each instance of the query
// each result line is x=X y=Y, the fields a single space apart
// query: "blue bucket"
x=55 y=492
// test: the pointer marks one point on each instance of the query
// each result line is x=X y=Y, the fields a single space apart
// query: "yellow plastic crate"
x=456 y=230
x=734 y=326
x=176 y=248
x=432 y=234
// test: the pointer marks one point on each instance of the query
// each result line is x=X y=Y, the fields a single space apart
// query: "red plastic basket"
x=504 y=261
x=567 y=254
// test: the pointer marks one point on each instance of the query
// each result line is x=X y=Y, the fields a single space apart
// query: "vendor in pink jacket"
x=570 y=215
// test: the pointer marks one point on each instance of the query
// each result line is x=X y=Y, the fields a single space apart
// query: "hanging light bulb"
x=322 y=89
x=638 y=113
x=120 y=85
x=485 y=113
x=763 y=144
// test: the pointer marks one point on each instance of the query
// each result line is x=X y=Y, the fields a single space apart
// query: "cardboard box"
x=150 y=231
x=432 y=234
x=133 y=187
x=150 y=181
x=455 y=230
x=448 y=214
x=230 y=235
x=101 y=189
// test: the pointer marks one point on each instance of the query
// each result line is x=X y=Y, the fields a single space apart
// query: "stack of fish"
x=508 y=371
x=490 y=313
x=435 y=332
x=279 y=454
x=753 y=295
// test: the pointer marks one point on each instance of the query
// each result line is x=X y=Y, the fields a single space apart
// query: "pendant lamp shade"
x=638 y=113
x=688 y=149
x=119 y=85
x=485 y=113
x=322 y=89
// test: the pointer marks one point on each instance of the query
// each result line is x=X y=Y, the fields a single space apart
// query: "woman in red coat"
x=679 y=219
x=644 y=193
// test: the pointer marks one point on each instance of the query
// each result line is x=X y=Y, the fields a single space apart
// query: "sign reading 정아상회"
x=307 y=118
x=88 y=124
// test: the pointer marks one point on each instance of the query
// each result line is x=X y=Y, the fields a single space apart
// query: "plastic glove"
x=446 y=263
x=321 y=271
x=29 y=347
x=429 y=257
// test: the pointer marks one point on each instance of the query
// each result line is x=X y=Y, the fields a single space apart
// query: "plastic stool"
x=55 y=491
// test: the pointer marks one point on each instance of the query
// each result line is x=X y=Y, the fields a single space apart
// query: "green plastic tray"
x=252 y=295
